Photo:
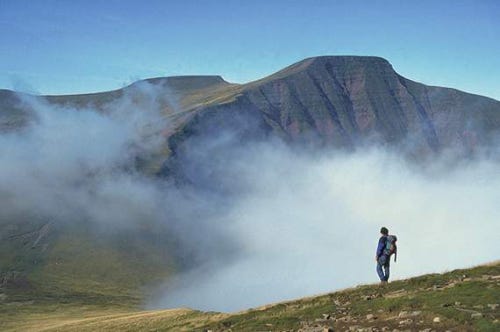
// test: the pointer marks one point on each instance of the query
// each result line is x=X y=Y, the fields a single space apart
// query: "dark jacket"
x=381 y=245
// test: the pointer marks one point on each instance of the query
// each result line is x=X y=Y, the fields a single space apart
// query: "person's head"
x=384 y=231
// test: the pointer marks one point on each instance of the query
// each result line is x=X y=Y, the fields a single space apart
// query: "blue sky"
x=59 y=47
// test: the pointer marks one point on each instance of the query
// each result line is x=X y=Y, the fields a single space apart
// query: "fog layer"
x=306 y=225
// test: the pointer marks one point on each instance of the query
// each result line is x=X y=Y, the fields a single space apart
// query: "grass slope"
x=461 y=300
x=74 y=265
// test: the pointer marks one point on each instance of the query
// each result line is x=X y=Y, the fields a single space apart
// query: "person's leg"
x=387 y=269
x=380 y=272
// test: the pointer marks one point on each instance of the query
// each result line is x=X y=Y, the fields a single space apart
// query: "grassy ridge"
x=461 y=300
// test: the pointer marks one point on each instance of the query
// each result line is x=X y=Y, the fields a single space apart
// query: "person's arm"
x=380 y=247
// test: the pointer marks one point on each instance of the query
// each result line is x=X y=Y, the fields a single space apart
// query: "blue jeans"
x=383 y=268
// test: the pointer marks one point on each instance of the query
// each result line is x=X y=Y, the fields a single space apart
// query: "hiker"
x=386 y=247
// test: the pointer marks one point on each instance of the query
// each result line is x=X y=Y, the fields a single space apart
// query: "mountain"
x=460 y=300
x=330 y=102
x=340 y=101
x=348 y=100
x=345 y=99
x=337 y=102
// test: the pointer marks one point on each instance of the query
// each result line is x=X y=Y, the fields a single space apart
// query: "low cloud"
x=85 y=165
x=310 y=224
x=70 y=161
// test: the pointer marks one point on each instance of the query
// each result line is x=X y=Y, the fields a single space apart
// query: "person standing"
x=383 y=260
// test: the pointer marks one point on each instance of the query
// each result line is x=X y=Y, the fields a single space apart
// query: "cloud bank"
x=70 y=162
x=307 y=224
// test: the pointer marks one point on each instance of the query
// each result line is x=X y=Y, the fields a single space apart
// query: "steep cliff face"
x=341 y=99
x=347 y=100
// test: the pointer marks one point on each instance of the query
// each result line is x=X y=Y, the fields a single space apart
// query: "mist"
x=78 y=166
x=309 y=223
x=68 y=160
x=268 y=223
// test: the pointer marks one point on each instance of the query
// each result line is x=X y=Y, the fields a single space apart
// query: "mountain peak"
x=334 y=63
x=187 y=82
x=347 y=59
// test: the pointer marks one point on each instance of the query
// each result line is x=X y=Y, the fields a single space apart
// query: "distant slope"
x=184 y=92
x=461 y=300
x=57 y=262
x=42 y=259
x=13 y=114
x=188 y=89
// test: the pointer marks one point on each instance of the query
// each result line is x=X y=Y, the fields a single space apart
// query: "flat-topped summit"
x=343 y=63
x=347 y=61
x=188 y=82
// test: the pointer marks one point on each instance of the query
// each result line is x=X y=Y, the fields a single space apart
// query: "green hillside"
x=53 y=263
x=461 y=300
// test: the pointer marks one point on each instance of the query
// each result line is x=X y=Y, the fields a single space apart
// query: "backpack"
x=390 y=246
